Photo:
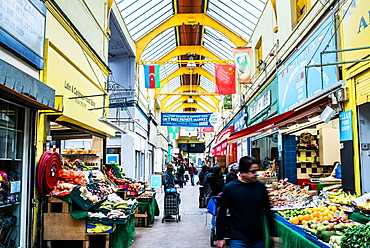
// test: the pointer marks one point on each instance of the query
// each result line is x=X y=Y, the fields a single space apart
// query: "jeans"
x=213 y=222
x=242 y=244
x=192 y=179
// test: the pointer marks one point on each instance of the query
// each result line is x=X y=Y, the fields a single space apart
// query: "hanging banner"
x=228 y=102
x=186 y=120
x=242 y=57
x=225 y=79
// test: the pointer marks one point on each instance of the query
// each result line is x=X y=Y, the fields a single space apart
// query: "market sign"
x=355 y=28
x=294 y=85
x=186 y=120
x=22 y=28
x=260 y=105
x=239 y=122
x=345 y=119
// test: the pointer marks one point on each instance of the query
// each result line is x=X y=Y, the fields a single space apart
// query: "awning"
x=278 y=121
x=254 y=130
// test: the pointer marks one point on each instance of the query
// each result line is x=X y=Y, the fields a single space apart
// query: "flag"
x=200 y=133
x=174 y=132
x=209 y=129
x=228 y=102
x=152 y=76
x=242 y=57
x=225 y=79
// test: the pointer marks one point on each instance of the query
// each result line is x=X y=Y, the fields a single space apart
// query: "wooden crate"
x=61 y=226
x=89 y=238
x=141 y=219
x=57 y=205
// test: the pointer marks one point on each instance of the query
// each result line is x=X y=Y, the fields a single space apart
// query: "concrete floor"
x=192 y=231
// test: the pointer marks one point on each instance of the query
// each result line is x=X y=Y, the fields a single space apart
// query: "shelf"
x=96 y=155
x=10 y=159
x=8 y=204
x=11 y=129
x=302 y=162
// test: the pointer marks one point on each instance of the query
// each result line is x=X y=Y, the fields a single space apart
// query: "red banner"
x=225 y=79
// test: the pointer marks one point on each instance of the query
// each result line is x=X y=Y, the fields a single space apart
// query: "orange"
x=294 y=220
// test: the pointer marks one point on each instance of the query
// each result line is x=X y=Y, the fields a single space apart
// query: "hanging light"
x=191 y=64
x=190 y=100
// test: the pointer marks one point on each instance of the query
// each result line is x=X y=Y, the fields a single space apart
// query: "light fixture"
x=262 y=65
x=191 y=64
x=327 y=114
x=190 y=100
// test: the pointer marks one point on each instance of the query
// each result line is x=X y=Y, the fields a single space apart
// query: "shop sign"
x=24 y=22
x=186 y=120
x=228 y=102
x=356 y=28
x=156 y=181
x=345 y=119
x=239 y=122
x=294 y=85
x=260 y=105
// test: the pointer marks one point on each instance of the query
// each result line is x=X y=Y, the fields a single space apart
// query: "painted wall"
x=90 y=18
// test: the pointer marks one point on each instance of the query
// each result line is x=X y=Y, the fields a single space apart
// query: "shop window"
x=258 y=53
x=302 y=7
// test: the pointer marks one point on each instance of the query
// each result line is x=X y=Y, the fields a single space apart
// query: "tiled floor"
x=192 y=231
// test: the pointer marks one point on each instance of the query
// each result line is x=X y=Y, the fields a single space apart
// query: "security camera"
x=327 y=114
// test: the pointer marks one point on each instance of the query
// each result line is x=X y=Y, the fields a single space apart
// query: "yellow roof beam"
x=183 y=99
x=182 y=71
x=189 y=105
x=182 y=50
x=184 y=88
x=187 y=19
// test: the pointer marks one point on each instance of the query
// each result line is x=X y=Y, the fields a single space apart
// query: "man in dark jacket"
x=168 y=177
x=247 y=201
x=216 y=183
x=232 y=174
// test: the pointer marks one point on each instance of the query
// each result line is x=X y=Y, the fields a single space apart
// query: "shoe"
x=192 y=184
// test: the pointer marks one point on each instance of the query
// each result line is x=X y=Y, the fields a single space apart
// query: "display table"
x=122 y=236
x=293 y=236
x=358 y=217
x=151 y=208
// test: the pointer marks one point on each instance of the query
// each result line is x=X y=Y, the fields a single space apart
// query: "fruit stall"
x=96 y=208
x=329 y=218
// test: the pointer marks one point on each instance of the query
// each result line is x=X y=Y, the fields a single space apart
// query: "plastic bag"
x=212 y=206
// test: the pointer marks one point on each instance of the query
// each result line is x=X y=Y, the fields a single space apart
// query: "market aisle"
x=192 y=231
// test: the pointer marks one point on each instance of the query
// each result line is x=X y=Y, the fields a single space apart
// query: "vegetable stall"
x=329 y=218
x=96 y=207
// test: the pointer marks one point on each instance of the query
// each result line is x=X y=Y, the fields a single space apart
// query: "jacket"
x=216 y=183
x=168 y=180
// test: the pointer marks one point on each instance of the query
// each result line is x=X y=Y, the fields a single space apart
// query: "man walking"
x=247 y=201
x=192 y=171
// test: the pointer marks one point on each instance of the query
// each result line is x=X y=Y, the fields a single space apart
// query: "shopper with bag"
x=216 y=183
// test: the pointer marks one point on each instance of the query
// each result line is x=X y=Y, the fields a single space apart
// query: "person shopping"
x=168 y=178
x=247 y=201
x=192 y=171
x=216 y=182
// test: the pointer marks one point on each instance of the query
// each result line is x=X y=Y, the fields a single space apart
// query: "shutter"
x=363 y=88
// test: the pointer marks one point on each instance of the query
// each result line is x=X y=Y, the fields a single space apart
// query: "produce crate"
x=57 y=205
x=61 y=226
x=82 y=200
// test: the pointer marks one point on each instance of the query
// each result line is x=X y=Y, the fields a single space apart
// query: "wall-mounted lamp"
x=191 y=65
x=262 y=65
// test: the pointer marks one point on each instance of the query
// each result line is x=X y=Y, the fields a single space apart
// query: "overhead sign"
x=24 y=21
x=186 y=120
x=294 y=85
x=345 y=119
x=260 y=105
x=215 y=119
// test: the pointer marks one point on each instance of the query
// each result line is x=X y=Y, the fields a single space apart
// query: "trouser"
x=241 y=244
x=201 y=197
x=192 y=179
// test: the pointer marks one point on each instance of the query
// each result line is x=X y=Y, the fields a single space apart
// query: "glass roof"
x=142 y=16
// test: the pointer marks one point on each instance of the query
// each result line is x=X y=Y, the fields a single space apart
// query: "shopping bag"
x=212 y=207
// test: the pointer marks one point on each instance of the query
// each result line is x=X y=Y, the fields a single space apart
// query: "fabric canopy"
x=255 y=128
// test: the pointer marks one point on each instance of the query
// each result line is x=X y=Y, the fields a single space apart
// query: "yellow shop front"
x=354 y=53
